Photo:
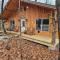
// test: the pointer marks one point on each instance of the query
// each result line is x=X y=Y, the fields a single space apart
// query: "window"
x=42 y=24
x=23 y=24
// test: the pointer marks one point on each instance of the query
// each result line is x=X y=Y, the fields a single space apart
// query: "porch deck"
x=44 y=40
x=38 y=39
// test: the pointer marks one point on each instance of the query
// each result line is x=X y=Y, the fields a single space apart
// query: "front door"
x=23 y=25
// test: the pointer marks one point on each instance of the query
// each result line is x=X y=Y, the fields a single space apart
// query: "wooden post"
x=53 y=26
x=54 y=29
x=19 y=19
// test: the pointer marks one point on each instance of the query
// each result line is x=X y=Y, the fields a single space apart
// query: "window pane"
x=45 y=27
x=23 y=24
x=46 y=21
x=38 y=24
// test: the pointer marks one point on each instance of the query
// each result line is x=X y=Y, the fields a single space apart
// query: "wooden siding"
x=31 y=13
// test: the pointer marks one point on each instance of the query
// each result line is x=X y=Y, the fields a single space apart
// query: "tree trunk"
x=58 y=17
x=3 y=28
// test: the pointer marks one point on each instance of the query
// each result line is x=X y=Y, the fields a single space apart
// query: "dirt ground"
x=20 y=49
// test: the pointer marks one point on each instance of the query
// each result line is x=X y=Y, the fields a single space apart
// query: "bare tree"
x=3 y=28
x=58 y=17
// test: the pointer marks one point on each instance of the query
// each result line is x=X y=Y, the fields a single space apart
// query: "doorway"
x=23 y=25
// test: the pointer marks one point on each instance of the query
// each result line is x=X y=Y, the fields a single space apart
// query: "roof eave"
x=40 y=4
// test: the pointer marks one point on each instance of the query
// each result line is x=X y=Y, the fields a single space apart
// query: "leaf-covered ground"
x=20 y=49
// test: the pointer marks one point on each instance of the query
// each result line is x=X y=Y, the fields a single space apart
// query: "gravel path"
x=16 y=49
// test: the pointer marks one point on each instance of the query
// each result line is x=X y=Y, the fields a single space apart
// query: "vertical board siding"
x=32 y=13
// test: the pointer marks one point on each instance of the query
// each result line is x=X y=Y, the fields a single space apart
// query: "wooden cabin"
x=34 y=18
